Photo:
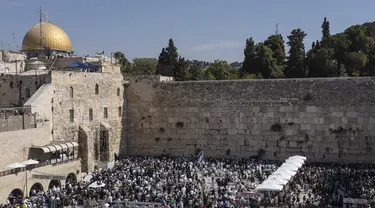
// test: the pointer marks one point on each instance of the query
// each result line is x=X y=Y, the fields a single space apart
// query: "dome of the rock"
x=53 y=37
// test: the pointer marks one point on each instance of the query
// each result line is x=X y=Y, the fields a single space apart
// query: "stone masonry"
x=15 y=90
x=76 y=92
x=328 y=119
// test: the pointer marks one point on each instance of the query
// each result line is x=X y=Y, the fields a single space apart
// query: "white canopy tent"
x=298 y=157
x=289 y=167
x=269 y=186
x=277 y=180
x=295 y=161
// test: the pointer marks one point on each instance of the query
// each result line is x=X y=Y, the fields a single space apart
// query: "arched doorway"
x=35 y=189
x=54 y=183
x=15 y=194
x=71 y=178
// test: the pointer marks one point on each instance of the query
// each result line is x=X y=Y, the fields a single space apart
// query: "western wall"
x=326 y=119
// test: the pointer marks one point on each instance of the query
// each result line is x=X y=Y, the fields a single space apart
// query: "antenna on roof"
x=41 y=31
x=46 y=17
x=277 y=28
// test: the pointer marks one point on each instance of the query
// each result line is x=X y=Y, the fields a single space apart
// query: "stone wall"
x=75 y=92
x=17 y=122
x=12 y=67
x=17 y=143
x=324 y=119
x=15 y=90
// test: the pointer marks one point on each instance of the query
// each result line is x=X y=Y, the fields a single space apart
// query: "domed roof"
x=54 y=38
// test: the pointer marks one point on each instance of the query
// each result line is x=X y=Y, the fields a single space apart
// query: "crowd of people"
x=182 y=182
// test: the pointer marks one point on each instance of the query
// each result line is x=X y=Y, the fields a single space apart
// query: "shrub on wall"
x=180 y=124
x=307 y=97
x=276 y=127
x=261 y=153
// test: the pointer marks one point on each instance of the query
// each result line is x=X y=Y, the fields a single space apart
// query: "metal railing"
x=30 y=167
x=5 y=112
x=124 y=204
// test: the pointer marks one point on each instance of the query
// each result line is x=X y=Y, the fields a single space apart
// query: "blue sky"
x=201 y=29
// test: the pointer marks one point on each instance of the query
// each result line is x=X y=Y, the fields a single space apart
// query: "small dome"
x=53 y=36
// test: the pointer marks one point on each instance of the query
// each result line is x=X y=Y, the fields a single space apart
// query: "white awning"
x=57 y=147
x=30 y=162
x=45 y=149
x=70 y=145
x=16 y=165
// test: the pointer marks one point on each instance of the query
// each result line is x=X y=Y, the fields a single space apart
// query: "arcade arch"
x=72 y=177
x=36 y=188
x=15 y=194
x=53 y=183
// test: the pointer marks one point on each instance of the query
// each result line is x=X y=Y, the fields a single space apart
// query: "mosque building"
x=48 y=38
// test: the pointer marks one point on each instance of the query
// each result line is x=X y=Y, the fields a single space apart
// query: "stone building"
x=68 y=120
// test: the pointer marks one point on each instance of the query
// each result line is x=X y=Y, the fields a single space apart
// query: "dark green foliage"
x=123 y=62
x=350 y=53
x=295 y=65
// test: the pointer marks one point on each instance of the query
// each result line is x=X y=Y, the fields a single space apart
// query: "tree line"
x=350 y=53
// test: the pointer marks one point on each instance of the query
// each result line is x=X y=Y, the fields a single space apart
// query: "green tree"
x=295 y=64
x=123 y=61
x=341 y=46
x=249 y=53
x=195 y=72
x=172 y=53
x=354 y=63
x=326 y=34
x=219 y=70
x=266 y=63
x=276 y=44
x=181 y=70
x=208 y=75
x=144 y=66
x=319 y=59
x=320 y=64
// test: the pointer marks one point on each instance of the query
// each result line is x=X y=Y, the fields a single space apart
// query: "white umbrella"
x=16 y=165
x=30 y=162
x=96 y=185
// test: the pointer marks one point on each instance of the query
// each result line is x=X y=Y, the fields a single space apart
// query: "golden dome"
x=54 y=38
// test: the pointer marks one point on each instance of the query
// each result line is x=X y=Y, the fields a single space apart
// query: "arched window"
x=71 y=92
x=27 y=93
x=118 y=91
x=97 y=89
